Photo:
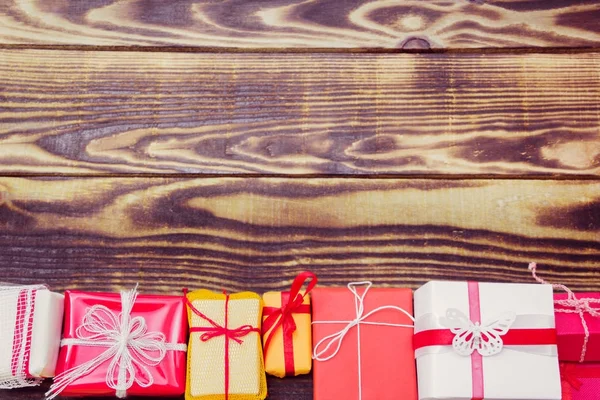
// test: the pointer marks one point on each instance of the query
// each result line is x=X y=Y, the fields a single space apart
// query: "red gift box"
x=362 y=340
x=570 y=327
x=580 y=381
x=577 y=319
x=152 y=361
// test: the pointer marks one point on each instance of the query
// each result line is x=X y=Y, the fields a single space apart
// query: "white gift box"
x=31 y=320
x=486 y=340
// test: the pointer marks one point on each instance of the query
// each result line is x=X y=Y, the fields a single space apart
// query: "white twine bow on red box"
x=130 y=348
x=572 y=305
x=335 y=339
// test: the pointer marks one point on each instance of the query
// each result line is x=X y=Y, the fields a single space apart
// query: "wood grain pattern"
x=408 y=24
x=68 y=112
x=257 y=233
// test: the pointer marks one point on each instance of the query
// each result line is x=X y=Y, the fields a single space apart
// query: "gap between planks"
x=449 y=177
x=294 y=50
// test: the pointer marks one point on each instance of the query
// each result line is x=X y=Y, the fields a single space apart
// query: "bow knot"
x=573 y=305
x=568 y=374
x=216 y=330
x=334 y=341
x=283 y=316
x=130 y=348
x=580 y=306
x=233 y=334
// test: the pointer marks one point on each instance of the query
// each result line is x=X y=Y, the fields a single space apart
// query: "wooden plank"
x=257 y=233
x=90 y=113
x=408 y=24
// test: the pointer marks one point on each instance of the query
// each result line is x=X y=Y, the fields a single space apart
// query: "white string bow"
x=336 y=339
x=130 y=348
x=573 y=305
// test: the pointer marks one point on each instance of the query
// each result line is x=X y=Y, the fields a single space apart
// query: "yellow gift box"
x=225 y=359
x=287 y=332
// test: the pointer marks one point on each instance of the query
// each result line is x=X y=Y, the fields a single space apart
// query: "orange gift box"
x=287 y=329
x=363 y=343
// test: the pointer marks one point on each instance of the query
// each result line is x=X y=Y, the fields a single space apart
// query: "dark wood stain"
x=283 y=24
x=168 y=113
x=233 y=144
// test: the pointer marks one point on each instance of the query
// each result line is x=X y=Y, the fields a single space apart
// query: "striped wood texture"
x=89 y=113
x=302 y=24
x=231 y=144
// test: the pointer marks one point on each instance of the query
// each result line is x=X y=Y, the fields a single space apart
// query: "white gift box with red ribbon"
x=31 y=324
x=492 y=341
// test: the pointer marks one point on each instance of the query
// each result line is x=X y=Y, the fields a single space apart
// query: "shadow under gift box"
x=523 y=372
x=383 y=354
x=166 y=314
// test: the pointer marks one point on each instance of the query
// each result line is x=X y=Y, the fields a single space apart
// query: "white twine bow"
x=131 y=349
x=336 y=339
x=573 y=305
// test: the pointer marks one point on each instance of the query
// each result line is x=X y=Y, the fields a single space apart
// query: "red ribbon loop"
x=282 y=317
x=568 y=375
x=232 y=334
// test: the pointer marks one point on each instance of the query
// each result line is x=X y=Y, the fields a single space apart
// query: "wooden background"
x=232 y=144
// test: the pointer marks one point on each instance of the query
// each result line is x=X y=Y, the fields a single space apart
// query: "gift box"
x=30 y=328
x=225 y=358
x=287 y=331
x=122 y=344
x=486 y=340
x=576 y=313
x=580 y=381
x=363 y=343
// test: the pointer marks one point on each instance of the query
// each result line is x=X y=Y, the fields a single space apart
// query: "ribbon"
x=569 y=380
x=570 y=375
x=476 y=358
x=282 y=317
x=22 y=333
x=573 y=305
x=217 y=330
x=335 y=340
x=512 y=337
x=130 y=348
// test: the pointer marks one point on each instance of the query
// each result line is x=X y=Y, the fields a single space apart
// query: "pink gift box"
x=571 y=334
x=580 y=381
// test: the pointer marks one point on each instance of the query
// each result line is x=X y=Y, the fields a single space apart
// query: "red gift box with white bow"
x=122 y=344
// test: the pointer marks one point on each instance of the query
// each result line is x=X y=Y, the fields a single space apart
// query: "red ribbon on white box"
x=467 y=336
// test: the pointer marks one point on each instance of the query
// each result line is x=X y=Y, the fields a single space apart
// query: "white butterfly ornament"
x=486 y=339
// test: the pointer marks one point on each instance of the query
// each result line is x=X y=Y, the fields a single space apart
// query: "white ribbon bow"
x=336 y=339
x=131 y=349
